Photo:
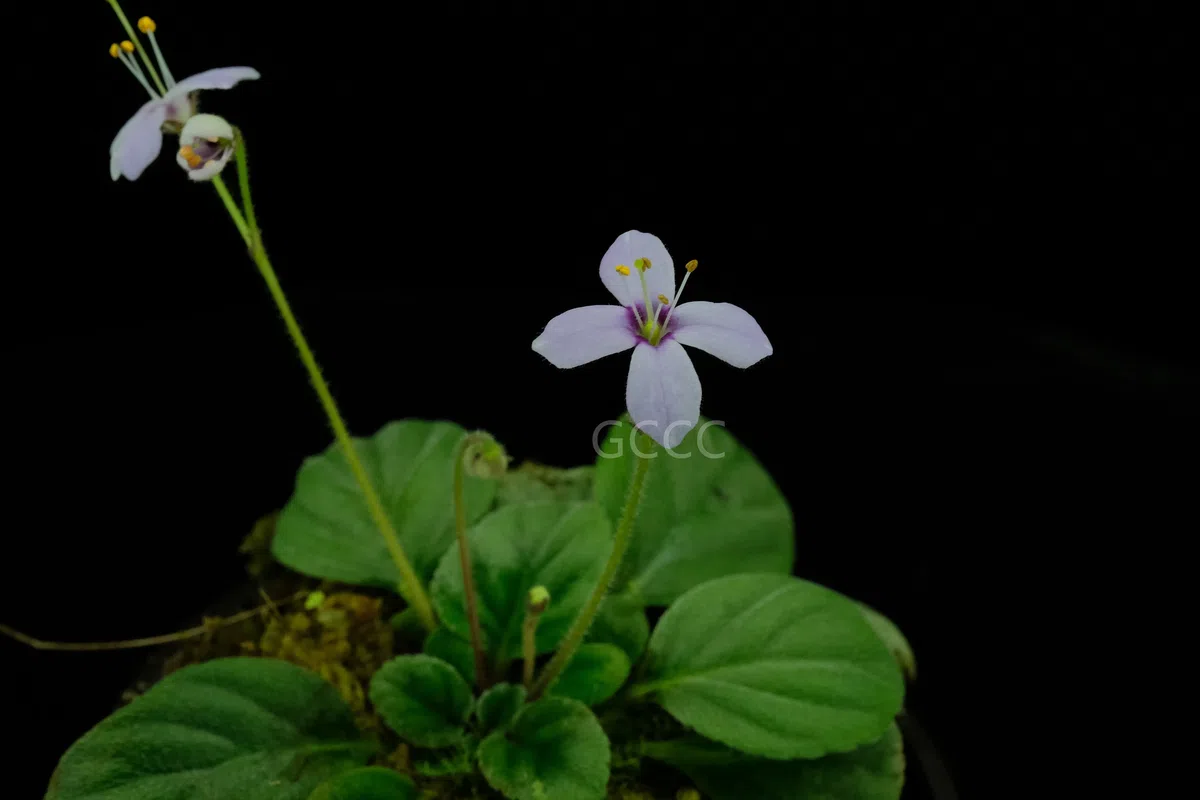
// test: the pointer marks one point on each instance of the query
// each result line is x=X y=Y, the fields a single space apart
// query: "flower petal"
x=723 y=329
x=663 y=393
x=206 y=126
x=585 y=334
x=219 y=78
x=630 y=246
x=138 y=142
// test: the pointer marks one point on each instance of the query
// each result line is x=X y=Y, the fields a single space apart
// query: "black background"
x=957 y=224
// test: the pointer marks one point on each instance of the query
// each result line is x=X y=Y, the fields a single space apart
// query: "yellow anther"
x=691 y=265
x=642 y=264
x=127 y=46
x=146 y=25
x=624 y=270
x=189 y=155
x=115 y=51
x=662 y=298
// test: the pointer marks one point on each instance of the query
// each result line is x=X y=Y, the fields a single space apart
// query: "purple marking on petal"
x=641 y=310
x=585 y=334
x=663 y=392
x=722 y=329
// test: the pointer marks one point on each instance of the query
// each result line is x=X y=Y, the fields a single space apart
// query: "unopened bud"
x=539 y=600
x=485 y=457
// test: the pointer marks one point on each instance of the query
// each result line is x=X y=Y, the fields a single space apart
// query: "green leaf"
x=251 y=728
x=534 y=483
x=498 y=705
x=621 y=621
x=701 y=517
x=561 y=546
x=423 y=699
x=774 y=666
x=895 y=641
x=593 y=674
x=368 y=783
x=555 y=748
x=452 y=649
x=326 y=530
x=872 y=772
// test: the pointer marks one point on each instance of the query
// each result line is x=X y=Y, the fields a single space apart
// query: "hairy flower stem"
x=410 y=584
x=529 y=646
x=579 y=628
x=464 y=556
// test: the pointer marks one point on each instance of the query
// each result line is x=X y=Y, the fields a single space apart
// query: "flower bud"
x=538 y=600
x=484 y=457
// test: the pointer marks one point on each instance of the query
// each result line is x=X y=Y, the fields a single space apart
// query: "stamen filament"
x=650 y=321
x=162 y=62
x=137 y=43
x=624 y=271
x=637 y=316
x=136 y=71
x=675 y=302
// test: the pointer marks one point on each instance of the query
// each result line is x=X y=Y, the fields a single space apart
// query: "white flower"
x=205 y=146
x=663 y=390
x=170 y=107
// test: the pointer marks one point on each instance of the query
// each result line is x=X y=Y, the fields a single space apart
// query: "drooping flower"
x=663 y=390
x=205 y=146
x=170 y=107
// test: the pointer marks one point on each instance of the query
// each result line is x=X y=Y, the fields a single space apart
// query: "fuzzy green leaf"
x=327 y=531
x=872 y=772
x=423 y=699
x=773 y=666
x=452 y=649
x=894 y=639
x=621 y=621
x=561 y=546
x=593 y=674
x=251 y=728
x=554 y=749
x=498 y=705
x=368 y=783
x=701 y=517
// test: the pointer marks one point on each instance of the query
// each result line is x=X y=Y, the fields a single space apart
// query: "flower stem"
x=410 y=584
x=464 y=557
x=234 y=212
x=579 y=628
x=149 y=641
x=529 y=646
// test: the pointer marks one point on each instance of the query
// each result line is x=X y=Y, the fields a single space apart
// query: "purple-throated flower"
x=663 y=391
x=170 y=107
x=205 y=146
